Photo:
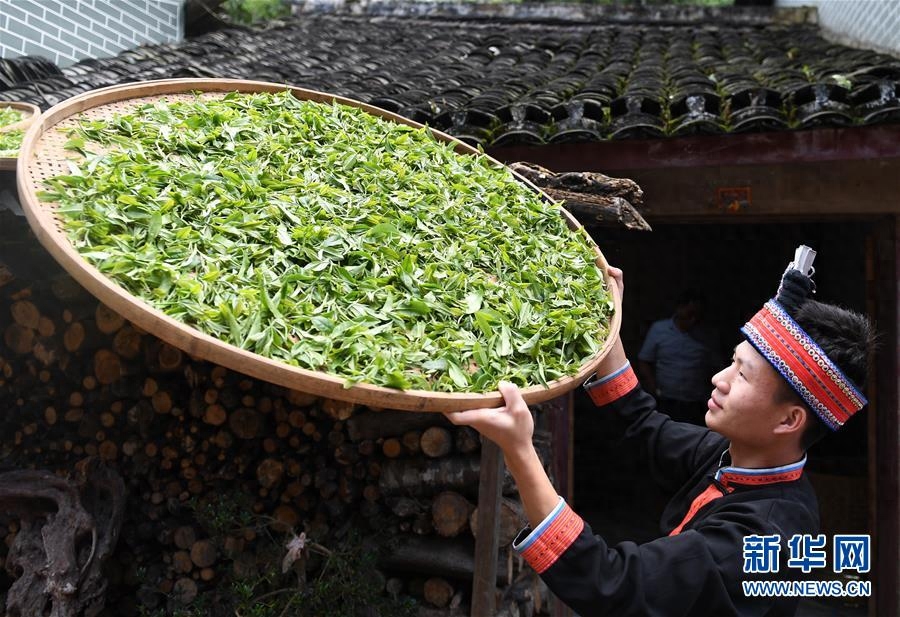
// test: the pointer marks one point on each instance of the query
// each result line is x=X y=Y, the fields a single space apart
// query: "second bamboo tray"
x=31 y=114
x=42 y=156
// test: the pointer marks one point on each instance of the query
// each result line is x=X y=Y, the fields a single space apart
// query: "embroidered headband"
x=803 y=364
x=793 y=352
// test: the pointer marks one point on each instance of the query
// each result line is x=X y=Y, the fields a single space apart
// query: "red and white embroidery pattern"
x=803 y=364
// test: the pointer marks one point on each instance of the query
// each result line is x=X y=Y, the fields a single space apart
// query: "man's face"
x=743 y=405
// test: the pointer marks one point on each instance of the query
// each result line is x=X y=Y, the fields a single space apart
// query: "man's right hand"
x=510 y=426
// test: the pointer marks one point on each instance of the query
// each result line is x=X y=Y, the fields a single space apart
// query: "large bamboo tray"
x=42 y=156
x=31 y=113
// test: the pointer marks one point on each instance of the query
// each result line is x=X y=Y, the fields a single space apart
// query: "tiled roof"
x=503 y=83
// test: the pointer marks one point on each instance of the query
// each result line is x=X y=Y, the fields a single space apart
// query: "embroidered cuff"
x=549 y=540
x=614 y=386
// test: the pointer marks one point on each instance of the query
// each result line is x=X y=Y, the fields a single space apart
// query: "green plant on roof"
x=252 y=12
x=336 y=241
x=841 y=80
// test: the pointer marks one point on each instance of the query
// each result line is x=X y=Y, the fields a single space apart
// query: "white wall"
x=871 y=24
x=65 y=31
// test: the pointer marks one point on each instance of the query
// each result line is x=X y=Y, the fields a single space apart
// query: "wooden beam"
x=484 y=581
x=884 y=427
x=730 y=193
x=774 y=148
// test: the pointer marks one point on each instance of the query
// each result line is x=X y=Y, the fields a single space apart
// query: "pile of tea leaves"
x=10 y=141
x=334 y=240
x=10 y=115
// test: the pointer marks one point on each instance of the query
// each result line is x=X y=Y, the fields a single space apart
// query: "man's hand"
x=510 y=426
x=618 y=277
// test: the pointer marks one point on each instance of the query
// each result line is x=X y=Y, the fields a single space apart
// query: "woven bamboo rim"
x=42 y=156
x=31 y=113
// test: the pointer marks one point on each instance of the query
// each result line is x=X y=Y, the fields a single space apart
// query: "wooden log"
x=467 y=440
x=600 y=209
x=127 y=387
x=285 y=518
x=184 y=592
x=108 y=321
x=161 y=402
x=411 y=441
x=46 y=327
x=184 y=537
x=74 y=336
x=204 y=553
x=374 y=425
x=392 y=448
x=244 y=423
x=108 y=450
x=450 y=513
x=46 y=351
x=301 y=399
x=151 y=387
x=181 y=562
x=215 y=415
x=457 y=611
x=590 y=195
x=512 y=520
x=19 y=339
x=345 y=454
x=64 y=287
x=526 y=595
x=269 y=473
x=26 y=314
x=218 y=376
x=420 y=477
x=438 y=591
x=405 y=507
x=169 y=358
x=127 y=342
x=447 y=557
x=338 y=410
x=107 y=366
x=436 y=442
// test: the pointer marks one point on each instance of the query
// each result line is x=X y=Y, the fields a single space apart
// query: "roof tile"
x=515 y=82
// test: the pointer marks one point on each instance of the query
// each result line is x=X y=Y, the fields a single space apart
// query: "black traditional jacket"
x=698 y=567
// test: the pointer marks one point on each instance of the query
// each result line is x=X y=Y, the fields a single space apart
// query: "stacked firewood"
x=221 y=470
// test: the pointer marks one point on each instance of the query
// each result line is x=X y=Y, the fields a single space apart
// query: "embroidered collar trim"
x=758 y=477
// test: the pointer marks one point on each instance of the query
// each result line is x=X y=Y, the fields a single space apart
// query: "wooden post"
x=561 y=420
x=884 y=428
x=484 y=580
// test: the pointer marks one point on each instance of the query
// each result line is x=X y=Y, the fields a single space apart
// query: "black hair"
x=847 y=338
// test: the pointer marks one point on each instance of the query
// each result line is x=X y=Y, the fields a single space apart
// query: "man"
x=741 y=478
x=678 y=357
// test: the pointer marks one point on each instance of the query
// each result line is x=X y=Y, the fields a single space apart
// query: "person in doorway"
x=733 y=485
x=678 y=357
